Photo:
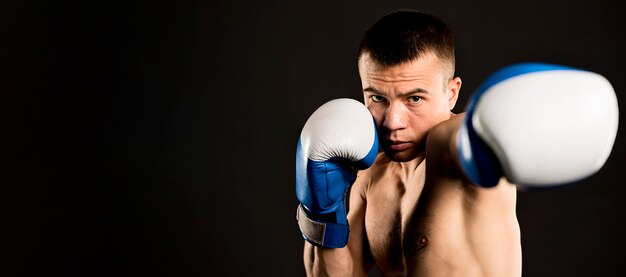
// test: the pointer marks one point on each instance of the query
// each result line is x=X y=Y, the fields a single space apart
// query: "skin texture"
x=413 y=213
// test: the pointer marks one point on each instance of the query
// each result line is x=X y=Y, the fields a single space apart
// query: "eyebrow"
x=402 y=94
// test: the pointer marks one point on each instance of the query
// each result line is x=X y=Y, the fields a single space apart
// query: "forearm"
x=320 y=261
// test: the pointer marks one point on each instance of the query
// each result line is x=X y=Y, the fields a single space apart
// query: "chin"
x=403 y=156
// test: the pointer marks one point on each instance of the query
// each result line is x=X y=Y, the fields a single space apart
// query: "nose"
x=395 y=117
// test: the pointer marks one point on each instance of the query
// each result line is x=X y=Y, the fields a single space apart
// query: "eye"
x=377 y=98
x=414 y=99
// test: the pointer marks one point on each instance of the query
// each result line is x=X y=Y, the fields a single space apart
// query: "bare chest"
x=417 y=227
x=392 y=206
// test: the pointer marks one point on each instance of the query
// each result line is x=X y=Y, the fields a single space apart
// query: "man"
x=414 y=212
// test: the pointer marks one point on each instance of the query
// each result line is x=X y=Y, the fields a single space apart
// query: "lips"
x=398 y=145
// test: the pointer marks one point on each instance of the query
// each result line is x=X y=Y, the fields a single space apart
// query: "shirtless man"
x=417 y=211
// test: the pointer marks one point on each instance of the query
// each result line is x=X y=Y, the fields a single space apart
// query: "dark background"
x=158 y=137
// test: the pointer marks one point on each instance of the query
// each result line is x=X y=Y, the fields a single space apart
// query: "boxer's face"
x=407 y=100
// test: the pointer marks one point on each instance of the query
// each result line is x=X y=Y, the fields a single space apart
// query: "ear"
x=454 y=87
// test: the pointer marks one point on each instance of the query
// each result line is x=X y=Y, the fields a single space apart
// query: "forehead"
x=428 y=65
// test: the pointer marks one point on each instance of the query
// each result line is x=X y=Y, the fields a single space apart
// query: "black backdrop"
x=158 y=137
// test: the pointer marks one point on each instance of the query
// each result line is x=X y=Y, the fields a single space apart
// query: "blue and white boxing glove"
x=539 y=125
x=338 y=139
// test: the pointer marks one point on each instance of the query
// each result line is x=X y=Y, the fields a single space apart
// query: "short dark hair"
x=402 y=36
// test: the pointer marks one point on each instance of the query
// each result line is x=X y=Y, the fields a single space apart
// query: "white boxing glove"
x=538 y=125
x=338 y=139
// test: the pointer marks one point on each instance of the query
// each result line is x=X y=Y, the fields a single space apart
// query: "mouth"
x=398 y=145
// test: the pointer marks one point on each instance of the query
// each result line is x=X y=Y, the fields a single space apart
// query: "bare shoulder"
x=441 y=148
x=444 y=132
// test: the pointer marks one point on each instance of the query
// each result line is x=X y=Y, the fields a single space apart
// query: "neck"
x=414 y=163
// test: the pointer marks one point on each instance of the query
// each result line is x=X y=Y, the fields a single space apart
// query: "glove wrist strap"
x=322 y=233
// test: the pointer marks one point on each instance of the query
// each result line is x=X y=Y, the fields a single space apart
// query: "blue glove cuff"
x=480 y=164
